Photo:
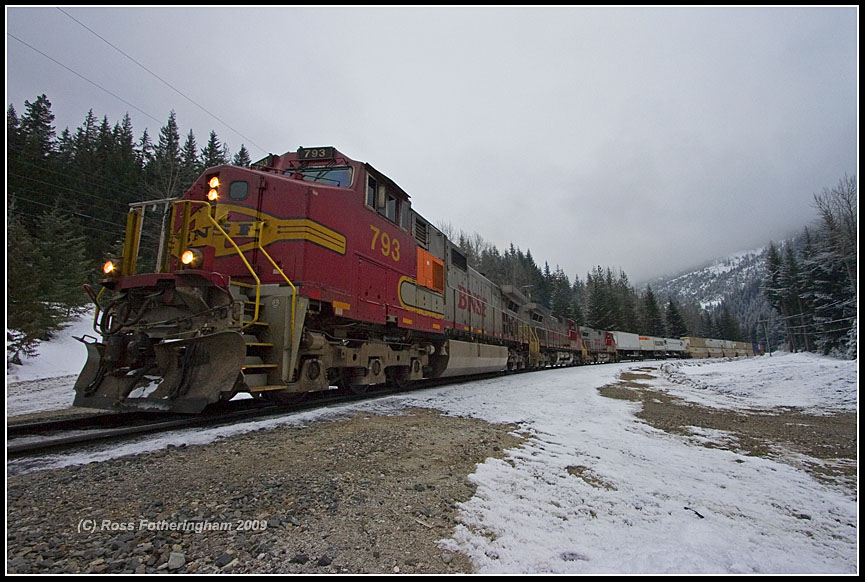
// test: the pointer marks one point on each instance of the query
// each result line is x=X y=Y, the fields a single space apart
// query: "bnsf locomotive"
x=306 y=271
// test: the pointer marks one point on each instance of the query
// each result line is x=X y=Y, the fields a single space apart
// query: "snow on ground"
x=801 y=380
x=46 y=381
x=593 y=489
x=647 y=501
x=62 y=356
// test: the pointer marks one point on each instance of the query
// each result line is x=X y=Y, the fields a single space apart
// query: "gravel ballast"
x=372 y=494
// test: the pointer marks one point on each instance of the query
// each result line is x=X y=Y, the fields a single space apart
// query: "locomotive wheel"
x=399 y=377
x=349 y=387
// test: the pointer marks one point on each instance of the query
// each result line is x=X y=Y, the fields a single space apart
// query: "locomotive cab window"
x=385 y=203
x=371 y=189
x=333 y=176
x=406 y=216
x=391 y=208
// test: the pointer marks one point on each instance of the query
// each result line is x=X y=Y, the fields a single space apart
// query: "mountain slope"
x=711 y=284
x=735 y=281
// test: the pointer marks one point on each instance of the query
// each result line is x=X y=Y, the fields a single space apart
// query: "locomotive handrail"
x=284 y=276
x=236 y=248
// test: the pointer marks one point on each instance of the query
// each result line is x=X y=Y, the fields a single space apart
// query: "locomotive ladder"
x=260 y=355
x=530 y=336
x=259 y=361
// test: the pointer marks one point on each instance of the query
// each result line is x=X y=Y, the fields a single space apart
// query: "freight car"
x=306 y=271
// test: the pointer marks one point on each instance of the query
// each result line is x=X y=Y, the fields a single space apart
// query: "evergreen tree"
x=830 y=298
x=15 y=171
x=653 y=320
x=242 y=158
x=190 y=166
x=578 y=300
x=692 y=314
x=27 y=179
x=145 y=149
x=163 y=170
x=85 y=145
x=626 y=302
x=838 y=208
x=536 y=283
x=601 y=310
x=14 y=134
x=492 y=264
x=85 y=166
x=561 y=295
x=64 y=264
x=65 y=150
x=791 y=281
x=708 y=329
x=30 y=316
x=94 y=189
x=104 y=143
x=37 y=129
x=727 y=326
x=125 y=166
x=814 y=289
x=775 y=291
x=212 y=154
x=676 y=327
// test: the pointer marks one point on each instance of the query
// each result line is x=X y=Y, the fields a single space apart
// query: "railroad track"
x=25 y=440
x=59 y=435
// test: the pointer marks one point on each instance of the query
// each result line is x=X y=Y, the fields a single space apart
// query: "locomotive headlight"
x=192 y=258
x=213 y=193
x=111 y=268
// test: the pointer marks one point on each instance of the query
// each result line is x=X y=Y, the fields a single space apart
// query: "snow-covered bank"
x=802 y=380
x=62 y=356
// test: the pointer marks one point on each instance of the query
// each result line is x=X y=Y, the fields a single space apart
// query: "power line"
x=77 y=74
x=172 y=87
x=17 y=212
x=117 y=205
x=820 y=324
x=816 y=308
x=91 y=181
x=72 y=212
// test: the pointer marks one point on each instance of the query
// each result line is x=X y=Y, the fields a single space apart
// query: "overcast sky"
x=647 y=139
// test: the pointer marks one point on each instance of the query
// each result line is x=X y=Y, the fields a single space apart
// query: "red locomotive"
x=306 y=271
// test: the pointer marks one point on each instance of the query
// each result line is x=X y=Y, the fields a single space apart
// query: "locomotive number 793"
x=389 y=246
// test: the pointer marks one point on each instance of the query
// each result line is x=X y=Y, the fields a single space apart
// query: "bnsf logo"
x=471 y=301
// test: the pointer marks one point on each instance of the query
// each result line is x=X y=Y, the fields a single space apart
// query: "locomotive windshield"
x=334 y=176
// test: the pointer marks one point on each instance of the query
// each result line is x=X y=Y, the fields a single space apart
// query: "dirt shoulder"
x=372 y=494
x=828 y=441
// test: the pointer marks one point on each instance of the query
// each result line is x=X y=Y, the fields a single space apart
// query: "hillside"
x=735 y=281
x=710 y=284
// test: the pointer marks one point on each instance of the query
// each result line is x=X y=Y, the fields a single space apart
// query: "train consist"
x=311 y=270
